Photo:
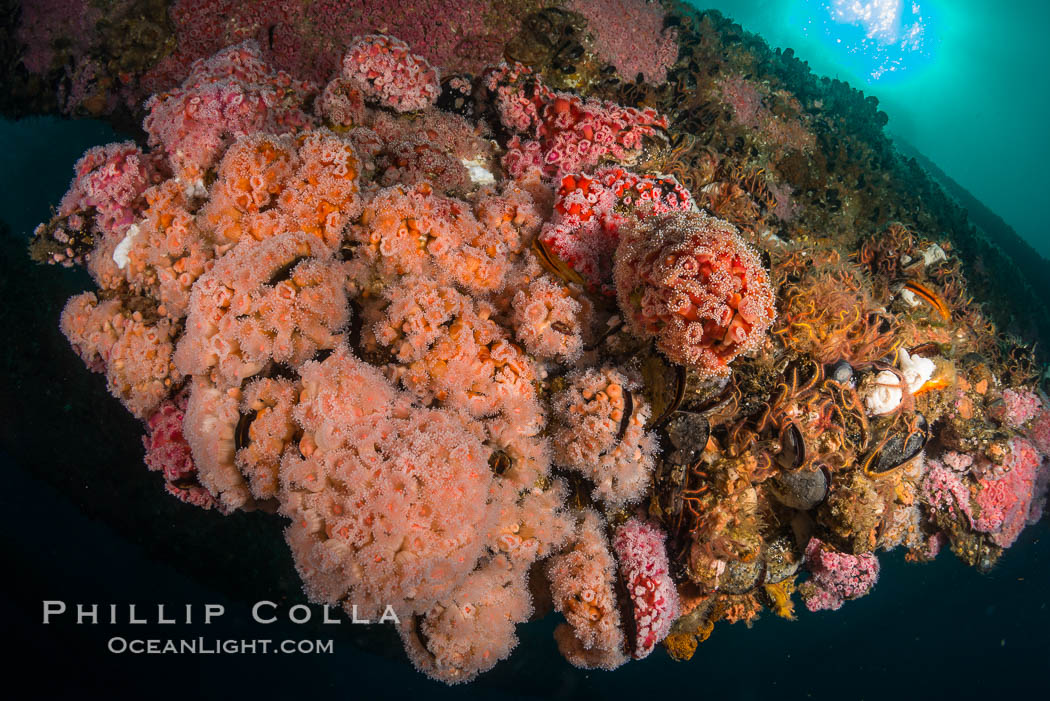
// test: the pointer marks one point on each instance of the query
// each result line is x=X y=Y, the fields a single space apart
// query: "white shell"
x=120 y=253
x=916 y=370
x=885 y=396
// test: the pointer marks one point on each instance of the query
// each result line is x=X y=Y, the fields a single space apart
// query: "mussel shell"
x=572 y=52
x=628 y=412
x=453 y=100
x=793 y=447
x=500 y=462
x=987 y=556
x=671 y=381
x=884 y=323
x=841 y=372
x=280 y=371
x=802 y=489
x=716 y=402
x=242 y=434
x=284 y=272
x=900 y=448
x=926 y=350
x=971 y=359
x=544 y=25
x=694 y=621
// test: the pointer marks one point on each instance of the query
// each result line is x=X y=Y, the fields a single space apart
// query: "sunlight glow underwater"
x=873 y=38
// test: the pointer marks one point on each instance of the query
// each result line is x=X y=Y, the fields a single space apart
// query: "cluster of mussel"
x=552 y=41
x=754 y=465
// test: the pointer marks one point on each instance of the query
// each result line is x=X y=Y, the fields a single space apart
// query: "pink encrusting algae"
x=631 y=36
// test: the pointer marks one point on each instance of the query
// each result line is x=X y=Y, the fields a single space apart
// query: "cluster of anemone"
x=109 y=181
x=390 y=73
x=692 y=283
x=581 y=588
x=601 y=434
x=333 y=309
x=589 y=211
x=549 y=320
x=229 y=95
x=269 y=184
x=168 y=452
x=560 y=133
x=639 y=545
x=837 y=576
x=134 y=354
x=477 y=357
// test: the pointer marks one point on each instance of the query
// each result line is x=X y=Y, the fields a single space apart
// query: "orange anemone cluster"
x=601 y=434
x=348 y=298
x=270 y=183
x=134 y=354
x=580 y=587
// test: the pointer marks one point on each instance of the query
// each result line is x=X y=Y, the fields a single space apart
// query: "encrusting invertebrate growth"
x=616 y=334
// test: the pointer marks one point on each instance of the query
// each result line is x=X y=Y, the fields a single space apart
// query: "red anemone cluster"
x=691 y=282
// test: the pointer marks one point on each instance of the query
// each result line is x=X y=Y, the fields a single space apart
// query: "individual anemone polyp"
x=689 y=280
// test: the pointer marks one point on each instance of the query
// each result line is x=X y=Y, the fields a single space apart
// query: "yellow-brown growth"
x=681 y=646
x=780 y=598
x=829 y=314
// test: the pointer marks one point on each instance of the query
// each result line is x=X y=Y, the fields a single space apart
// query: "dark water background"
x=84 y=521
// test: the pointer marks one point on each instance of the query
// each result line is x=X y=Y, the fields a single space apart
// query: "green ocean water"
x=84 y=521
x=975 y=98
